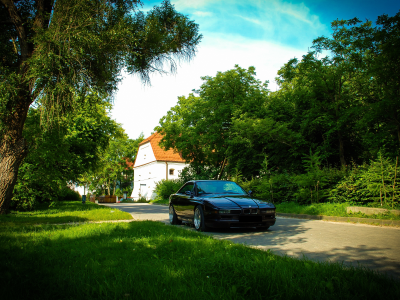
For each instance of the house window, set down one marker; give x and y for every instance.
(171, 171)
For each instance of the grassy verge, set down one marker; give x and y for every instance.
(328, 209)
(64, 212)
(325, 209)
(151, 260)
(160, 202)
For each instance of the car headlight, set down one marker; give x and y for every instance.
(267, 211)
(224, 211)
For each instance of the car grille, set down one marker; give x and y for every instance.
(250, 211)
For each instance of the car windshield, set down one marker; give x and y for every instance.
(219, 187)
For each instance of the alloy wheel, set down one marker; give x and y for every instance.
(197, 219)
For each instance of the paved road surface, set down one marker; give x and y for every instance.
(374, 247)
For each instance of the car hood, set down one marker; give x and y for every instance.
(239, 201)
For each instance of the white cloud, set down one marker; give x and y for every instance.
(203, 13)
(192, 4)
(297, 11)
(252, 20)
(140, 108)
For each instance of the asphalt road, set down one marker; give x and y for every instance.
(374, 247)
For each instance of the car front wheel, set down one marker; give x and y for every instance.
(198, 219)
(173, 218)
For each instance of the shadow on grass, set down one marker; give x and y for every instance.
(150, 260)
(62, 212)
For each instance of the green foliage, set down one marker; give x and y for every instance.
(328, 112)
(164, 188)
(372, 184)
(57, 54)
(278, 187)
(118, 192)
(199, 126)
(60, 155)
(66, 194)
(198, 172)
(114, 171)
(85, 44)
(142, 200)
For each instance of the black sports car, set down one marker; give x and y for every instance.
(218, 203)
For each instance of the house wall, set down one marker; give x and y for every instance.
(145, 155)
(146, 177)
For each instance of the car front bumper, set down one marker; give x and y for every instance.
(239, 222)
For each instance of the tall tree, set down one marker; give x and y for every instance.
(53, 52)
(373, 59)
(324, 101)
(60, 154)
(199, 126)
(114, 167)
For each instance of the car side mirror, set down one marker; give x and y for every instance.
(250, 193)
(189, 193)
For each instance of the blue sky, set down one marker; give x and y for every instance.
(260, 33)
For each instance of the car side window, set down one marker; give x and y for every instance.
(187, 187)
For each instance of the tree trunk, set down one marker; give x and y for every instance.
(11, 157)
(398, 132)
(13, 150)
(341, 150)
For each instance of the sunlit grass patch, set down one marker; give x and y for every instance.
(327, 209)
(151, 260)
(64, 212)
(160, 202)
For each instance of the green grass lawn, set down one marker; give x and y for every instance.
(151, 260)
(328, 209)
(64, 212)
(160, 202)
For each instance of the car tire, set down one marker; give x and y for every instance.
(198, 219)
(173, 218)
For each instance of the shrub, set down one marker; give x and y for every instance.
(118, 192)
(374, 184)
(164, 188)
(142, 200)
(66, 194)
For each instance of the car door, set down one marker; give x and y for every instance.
(182, 200)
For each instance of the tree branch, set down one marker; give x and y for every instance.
(19, 25)
(44, 8)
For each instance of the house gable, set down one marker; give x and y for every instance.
(158, 154)
(144, 155)
(153, 164)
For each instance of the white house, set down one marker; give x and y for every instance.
(152, 164)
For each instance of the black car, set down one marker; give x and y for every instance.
(219, 203)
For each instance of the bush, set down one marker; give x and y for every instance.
(164, 188)
(118, 192)
(142, 200)
(310, 187)
(66, 194)
(376, 184)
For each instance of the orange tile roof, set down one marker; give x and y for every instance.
(159, 153)
(129, 163)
